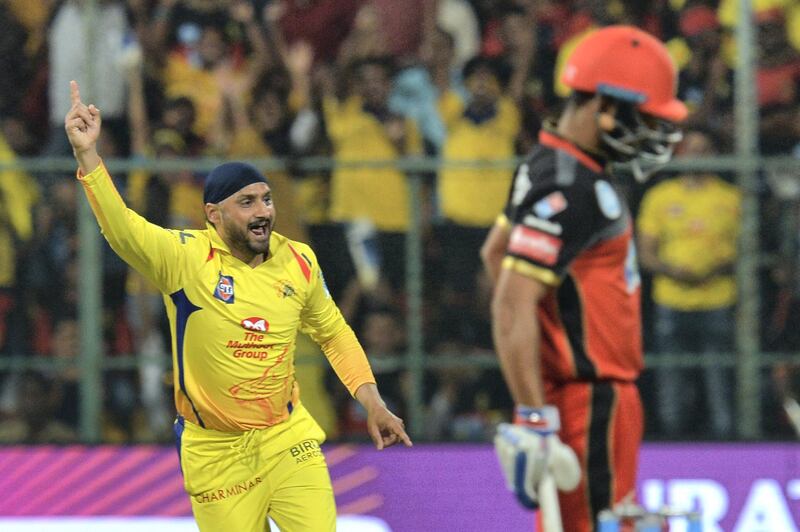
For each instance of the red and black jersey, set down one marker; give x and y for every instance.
(570, 228)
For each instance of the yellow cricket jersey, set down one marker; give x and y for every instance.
(233, 327)
(378, 194)
(18, 194)
(470, 196)
(696, 229)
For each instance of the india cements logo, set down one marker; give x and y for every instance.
(224, 289)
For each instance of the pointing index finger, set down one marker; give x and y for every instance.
(74, 93)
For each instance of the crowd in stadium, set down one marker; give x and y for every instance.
(360, 80)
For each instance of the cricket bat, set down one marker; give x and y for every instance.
(548, 505)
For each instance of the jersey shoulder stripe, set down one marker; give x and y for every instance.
(304, 267)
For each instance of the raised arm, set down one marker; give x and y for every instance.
(153, 251)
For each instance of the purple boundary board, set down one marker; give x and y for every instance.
(747, 487)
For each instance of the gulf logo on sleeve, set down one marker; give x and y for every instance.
(224, 289)
(534, 245)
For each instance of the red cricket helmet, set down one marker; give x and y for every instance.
(633, 68)
(628, 64)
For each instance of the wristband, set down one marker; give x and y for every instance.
(542, 419)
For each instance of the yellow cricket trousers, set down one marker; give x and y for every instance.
(236, 480)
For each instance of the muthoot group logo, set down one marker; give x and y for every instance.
(255, 324)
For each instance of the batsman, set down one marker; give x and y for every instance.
(566, 312)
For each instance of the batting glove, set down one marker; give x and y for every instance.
(530, 448)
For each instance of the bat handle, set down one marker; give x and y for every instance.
(548, 505)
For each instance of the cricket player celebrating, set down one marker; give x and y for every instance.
(236, 294)
(566, 310)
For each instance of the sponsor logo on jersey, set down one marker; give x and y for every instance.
(550, 205)
(284, 288)
(255, 324)
(534, 245)
(305, 450)
(545, 225)
(608, 200)
(227, 492)
(224, 289)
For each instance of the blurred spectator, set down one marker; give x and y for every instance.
(382, 334)
(418, 88)
(782, 218)
(467, 402)
(18, 194)
(33, 16)
(16, 63)
(179, 115)
(688, 227)
(311, 188)
(51, 272)
(525, 46)
(366, 39)
(35, 419)
(64, 349)
(362, 128)
(778, 80)
(728, 12)
(458, 407)
(480, 128)
(402, 24)
(173, 19)
(27, 65)
(208, 57)
(262, 128)
(706, 81)
(457, 18)
(324, 24)
(68, 61)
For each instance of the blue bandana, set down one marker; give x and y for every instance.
(228, 179)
